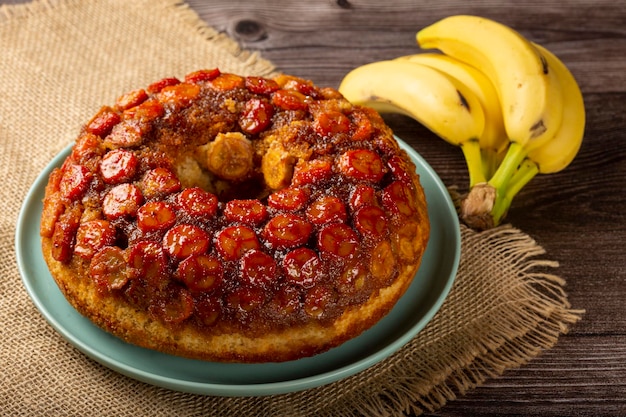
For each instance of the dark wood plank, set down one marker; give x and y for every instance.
(565, 381)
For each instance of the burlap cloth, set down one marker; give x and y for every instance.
(59, 61)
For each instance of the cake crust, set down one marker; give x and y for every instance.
(234, 219)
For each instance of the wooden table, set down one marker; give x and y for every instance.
(576, 215)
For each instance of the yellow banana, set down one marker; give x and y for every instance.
(558, 152)
(528, 90)
(441, 103)
(493, 140)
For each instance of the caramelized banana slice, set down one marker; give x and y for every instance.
(277, 168)
(229, 156)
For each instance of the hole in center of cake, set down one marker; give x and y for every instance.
(229, 166)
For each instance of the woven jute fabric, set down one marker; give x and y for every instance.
(59, 62)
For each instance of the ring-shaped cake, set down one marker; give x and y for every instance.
(235, 219)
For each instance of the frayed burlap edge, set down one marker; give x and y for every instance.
(505, 338)
(263, 66)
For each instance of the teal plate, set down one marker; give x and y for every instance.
(412, 312)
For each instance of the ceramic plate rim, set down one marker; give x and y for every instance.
(433, 188)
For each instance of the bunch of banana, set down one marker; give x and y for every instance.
(511, 105)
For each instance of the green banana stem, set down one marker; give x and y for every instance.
(490, 162)
(526, 172)
(472, 153)
(501, 178)
(509, 165)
